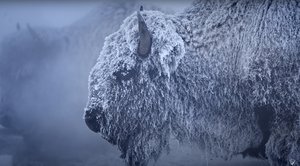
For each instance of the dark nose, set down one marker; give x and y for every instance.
(91, 120)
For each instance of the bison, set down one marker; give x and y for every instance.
(223, 75)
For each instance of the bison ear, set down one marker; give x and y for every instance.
(145, 40)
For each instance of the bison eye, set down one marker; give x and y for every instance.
(124, 74)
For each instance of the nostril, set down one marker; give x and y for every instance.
(92, 121)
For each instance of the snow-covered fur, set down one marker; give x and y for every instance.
(211, 73)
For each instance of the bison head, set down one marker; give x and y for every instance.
(129, 85)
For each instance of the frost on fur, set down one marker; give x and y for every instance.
(222, 75)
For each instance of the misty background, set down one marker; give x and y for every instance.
(46, 53)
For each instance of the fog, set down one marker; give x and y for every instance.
(47, 51)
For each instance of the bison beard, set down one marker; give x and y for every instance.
(222, 75)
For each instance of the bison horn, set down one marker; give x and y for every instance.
(34, 34)
(145, 40)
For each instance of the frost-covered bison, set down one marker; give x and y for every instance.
(223, 75)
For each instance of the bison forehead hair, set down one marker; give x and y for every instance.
(124, 93)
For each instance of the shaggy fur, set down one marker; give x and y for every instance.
(211, 73)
